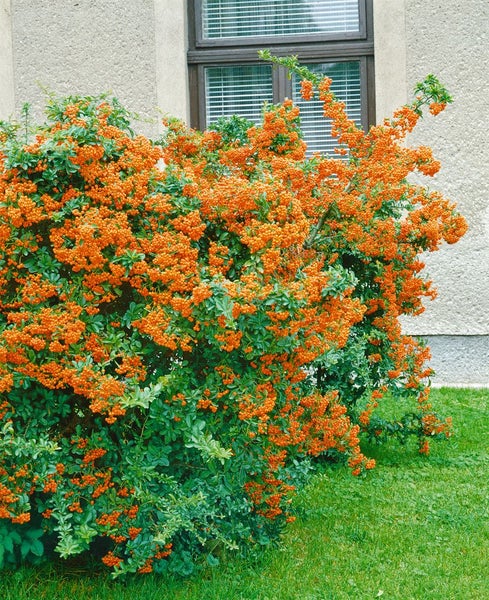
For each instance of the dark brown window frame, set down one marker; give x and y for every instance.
(310, 48)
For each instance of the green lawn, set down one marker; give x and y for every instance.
(416, 528)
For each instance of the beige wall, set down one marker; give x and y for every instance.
(451, 40)
(390, 56)
(134, 50)
(171, 60)
(414, 38)
(453, 43)
(7, 100)
(86, 47)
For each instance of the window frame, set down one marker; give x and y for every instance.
(309, 48)
(201, 42)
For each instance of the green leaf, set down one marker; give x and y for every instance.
(212, 560)
(25, 548)
(37, 548)
(8, 543)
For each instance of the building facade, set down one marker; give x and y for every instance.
(156, 57)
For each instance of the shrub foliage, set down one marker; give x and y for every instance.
(186, 324)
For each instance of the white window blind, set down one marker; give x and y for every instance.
(346, 86)
(243, 89)
(237, 90)
(223, 19)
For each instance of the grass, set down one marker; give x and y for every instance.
(416, 528)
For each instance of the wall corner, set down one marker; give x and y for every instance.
(7, 86)
(171, 51)
(390, 56)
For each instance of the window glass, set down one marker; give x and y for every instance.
(346, 86)
(239, 90)
(223, 19)
(331, 37)
(242, 90)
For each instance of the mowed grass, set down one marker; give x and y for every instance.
(416, 528)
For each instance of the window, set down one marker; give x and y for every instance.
(332, 37)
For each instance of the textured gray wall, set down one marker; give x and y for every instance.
(390, 56)
(453, 43)
(459, 360)
(86, 47)
(451, 39)
(6, 62)
(171, 57)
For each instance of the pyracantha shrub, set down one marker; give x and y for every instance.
(185, 324)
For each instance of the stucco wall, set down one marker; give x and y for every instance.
(6, 62)
(171, 57)
(454, 44)
(390, 56)
(415, 39)
(85, 47)
(451, 40)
